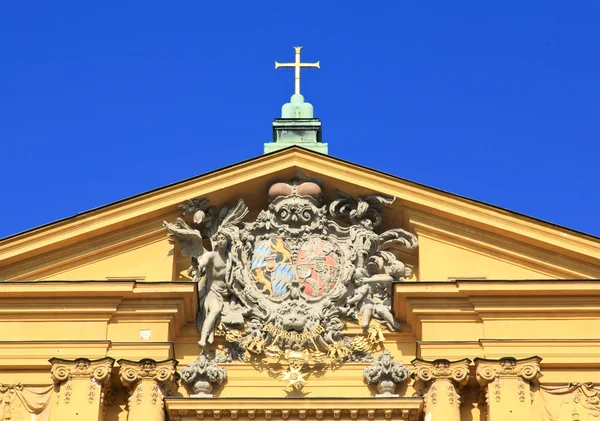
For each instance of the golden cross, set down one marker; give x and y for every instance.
(297, 65)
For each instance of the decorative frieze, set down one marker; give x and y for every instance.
(440, 382)
(18, 401)
(507, 386)
(148, 381)
(571, 401)
(321, 409)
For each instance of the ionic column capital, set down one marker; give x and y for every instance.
(527, 369)
(82, 387)
(148, 382)
(428, 371)
(162, 372)
(81, 368)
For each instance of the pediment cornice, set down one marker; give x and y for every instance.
(233, 181)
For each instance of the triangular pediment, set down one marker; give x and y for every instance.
(459, 238)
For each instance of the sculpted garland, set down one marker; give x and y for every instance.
(283, 284)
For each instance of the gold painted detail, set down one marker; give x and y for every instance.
(294, 378)
(371, 342)
(303, 338)
(293, 362)
(297, 65)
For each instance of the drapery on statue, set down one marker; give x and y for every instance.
(211, 269)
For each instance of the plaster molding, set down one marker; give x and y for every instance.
(170, 302)
(476, 303)
(294, 409)
(500, 247)
(412, 195)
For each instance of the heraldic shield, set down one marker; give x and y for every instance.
(286, 281)
(317, 267)
(272, 267)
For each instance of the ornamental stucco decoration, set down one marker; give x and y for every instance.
(287, 280)
(204, 373)
(386, 373)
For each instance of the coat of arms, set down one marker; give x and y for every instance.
(282, 285)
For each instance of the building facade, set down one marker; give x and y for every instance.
(296, 286)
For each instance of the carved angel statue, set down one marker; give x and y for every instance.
(372, 296)
(211, 269)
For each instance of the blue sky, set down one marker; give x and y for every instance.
(497, 101)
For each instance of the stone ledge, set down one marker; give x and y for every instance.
(403, 408)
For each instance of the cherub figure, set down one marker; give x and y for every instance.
(373, 299)
(213, 286)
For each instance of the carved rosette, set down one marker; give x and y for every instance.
(64, 372)
(440, 382)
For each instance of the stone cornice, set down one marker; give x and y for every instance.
(294, 409)
(487, 371)
(477, 301)
(160, 201)
(81, 368)
(428, 371)
(173, 301)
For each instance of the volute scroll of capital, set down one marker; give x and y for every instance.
(427, 371)
(98, 370)
(160, 371)
(283, 285)
(527, 369)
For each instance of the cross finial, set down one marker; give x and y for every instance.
(297, 65)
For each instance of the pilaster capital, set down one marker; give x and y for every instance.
(163, 372)
(527, 369)
(81, 368)
(441, 369)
